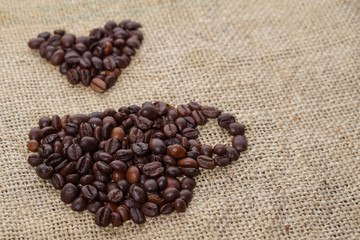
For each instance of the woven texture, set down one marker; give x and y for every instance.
(288, 70)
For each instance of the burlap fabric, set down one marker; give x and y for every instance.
(289, 70)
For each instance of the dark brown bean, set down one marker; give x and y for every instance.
(103, 217)
(206, 162)
(239, 143)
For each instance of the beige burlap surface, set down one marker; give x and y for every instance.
(288, 70)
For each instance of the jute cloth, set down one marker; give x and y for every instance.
(288, 70)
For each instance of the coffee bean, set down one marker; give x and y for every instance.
(206, 150)
(220, 149)
(123, 155)
(187, 163)
(232, 153)
(71, 128)
(190, 133)
(170, 130)
(137, 216)
(72, 58)
(173, 171)
(74, 152)
(33, 145)
(69, 193)
(45, 172)
(153, 169)
(45, 150)
(137, 193)
(206, 162)
(188, 183)
(167, 208)
(83, 165)
(35, 133)
(57, 181)
(103, 167)
(109, 63)
(79, 204)
(225, 119)
(198, 117)
(98, 85)
(180, 205)
(57, 58)
(34, 160)
(118, 165)
(176, 151)
(67, 169)
(236, 129)
(94, 206)
(133, 174)
(103, 217)
(115, 195)
(86, 179)
(239, 143)
(35, 42)
(140, 148)
(210, 112)
(190, 172)
(222, 160)
(150, 209)
(53, 160)
(170, 194)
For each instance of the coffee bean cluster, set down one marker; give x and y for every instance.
(95, 60)
(130, 163)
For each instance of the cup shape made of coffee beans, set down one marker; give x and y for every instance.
(95, 60)
(132, 163)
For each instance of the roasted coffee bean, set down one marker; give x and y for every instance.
(219, 149)
(118, 165)
(85, 77)
(45, 150)
(210, 112)
(188, 183)
(173, 182)
(57, 181)
(137, 216)
(194, 106)
(232, 153)
(94, 206)
(59, 167)
(45, 172)
(58, 57)
(198, 117)
(133, 174)
(168, 160)
(239, 143)
(35, 42)
(225, 119)
(83, 165)
(53, 160)
(115, 195)
(176, 151)
(49, 51)
(206, 150)
(116, 219)
(111, 145)
(190, 122)
(162, 182)
(170, 194)
(79, 118)
(123, 155)
(180, 205)
(103, 167)
(79, 204)
(44, 35)
(191, 133)
(206, 162)
(153, 169)
(86, 179)
(71, 128)
(44, 122)
(103, 217)
(64, 120)
(67, 169)
(35, 133)
(69, 193)
(34, 160)
(222, 160)
(117, 175)
(72, 58)
(33, 145)
(47, 131)
(137, 193)
(67, 40)
(150, 209)
(170, 130)
(109, 63)
(73, 178)
(187, 163)
(140, 148)
(236, 129)
(186, 195)
(124, 185)
(98, 85)
(136, 135)
(190, 172)
(74, 152)
(167, 208)
(85, 62)
(173, 171)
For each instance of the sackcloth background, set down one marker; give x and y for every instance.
(287, 69)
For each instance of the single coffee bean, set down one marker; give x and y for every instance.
(170, 194)
(151, 185)
(236, 129)
(53, 160)
(94, 206)
(85, 77)
(137, 193)
(117, 175)
(210, 112)
(206, 162)
(57, 181)
(69, 193)
(191, 133)
(190, 172)
(187, 163)
(33, 145)
(45, 172)
(79, 204)
(180, 205)
(34, 160)
(194, 106)
(111, 145)
(35, 133)
(35, 42)
(71, 128)
(153, 169)
(118, 133)
(118, 165)
(115, 195)
(133, 174)
(89, 192)
(186, 195)
(173, 171)
(45, 150)
(67, 169)
(167, 208)
(206, 150)
(222, 160)
(86, 179)
(198, 117)
(44, 35)
(98, 85)
(140, 148)
(57, 58)
(116, 219)
(162, 182)
(188, 183)
(225, 119)
(137, 216)
(103, 167)
(124, 185)
(44, 122)
(176, 151)
(239, 143)
(232, 153)
(103, 217)
(170, 130)
(123, 155)
(220, 149)
(67, 40)
(150, 209)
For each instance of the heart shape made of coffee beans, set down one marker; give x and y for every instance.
(95, 60)
(127, 164)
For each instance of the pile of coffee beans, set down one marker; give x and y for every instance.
(130, 163)
(95, 60)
